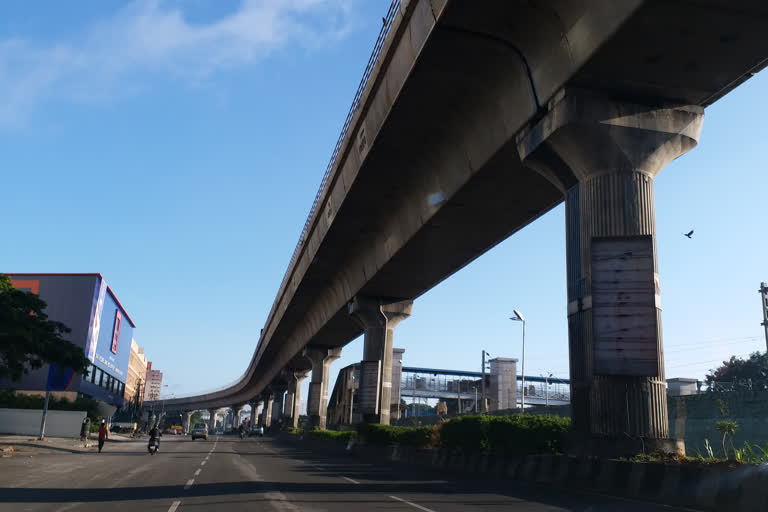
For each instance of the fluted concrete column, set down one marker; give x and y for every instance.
(321, 359)
(397, 380)
(266, 414)
(236, 412)
(212, 421)
(603, 155)
(254, 412)
(293, 397)
(379, 321)
(187, 419)
(288, 404)
(277, 404)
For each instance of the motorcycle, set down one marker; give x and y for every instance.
(242, 434)
(152, 446)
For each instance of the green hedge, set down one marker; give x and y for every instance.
(389, 434)
(333, 435)
(10, 400)
(512, 435)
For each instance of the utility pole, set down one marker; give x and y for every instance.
(482, 386)
(764, 298)
(45, 414)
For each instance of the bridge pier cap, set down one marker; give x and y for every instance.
(378, 318)
(603, 155)
(317, 405)
(293, 397)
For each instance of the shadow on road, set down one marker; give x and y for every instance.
(52, 495)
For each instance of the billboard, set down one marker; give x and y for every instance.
(95, 326)
(109, 353)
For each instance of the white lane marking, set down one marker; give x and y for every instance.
(174, 506)
(349, 479)
(189, 484)
(203, 463)
(68, 507)
(414, 505)
(198, 471)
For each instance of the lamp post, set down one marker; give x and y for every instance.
(520, 318)
(482, 383)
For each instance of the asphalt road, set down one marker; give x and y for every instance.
(230, 474)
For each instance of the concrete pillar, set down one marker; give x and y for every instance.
(187, 418)
(266, 414)
(236, 412)
(603, 155)
(254, 412)
(379, 322)
(397, 381)
(321, 359)
(288, 403)
(277, 405)
(503, 384)
(293, 397)
(212, 421)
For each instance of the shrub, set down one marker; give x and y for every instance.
(333, 435)
(385, 435)
(519, 434)
(10, 400)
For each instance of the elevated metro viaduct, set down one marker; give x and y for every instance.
(472, 120)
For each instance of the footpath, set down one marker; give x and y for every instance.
(27, 446)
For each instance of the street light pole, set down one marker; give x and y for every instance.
(482, 384)
(520, 318)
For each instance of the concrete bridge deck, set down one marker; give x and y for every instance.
(428, 173)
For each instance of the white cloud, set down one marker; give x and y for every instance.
(112, 56)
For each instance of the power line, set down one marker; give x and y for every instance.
(741, 339)
(683, 348)
(706, 362)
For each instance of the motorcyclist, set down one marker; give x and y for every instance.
(154, 435)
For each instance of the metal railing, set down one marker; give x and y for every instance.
(372, 61)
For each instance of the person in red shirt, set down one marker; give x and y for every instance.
(103, 434)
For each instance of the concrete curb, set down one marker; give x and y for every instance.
(742, 489)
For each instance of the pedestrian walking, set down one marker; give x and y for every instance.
(103, 434)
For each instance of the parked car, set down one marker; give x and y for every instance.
(257, 430)
(200, 430)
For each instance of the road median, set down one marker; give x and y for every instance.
(741, 488)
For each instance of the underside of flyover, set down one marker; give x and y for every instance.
(449, 142)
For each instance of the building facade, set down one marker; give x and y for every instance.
(136, 380)
(154, 383)
(99, 324)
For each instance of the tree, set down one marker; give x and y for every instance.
(750, 373)
(28, 340)
(726, 428)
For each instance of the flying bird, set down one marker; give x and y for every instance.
(689, 234)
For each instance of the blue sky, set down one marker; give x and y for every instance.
(176, 148)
